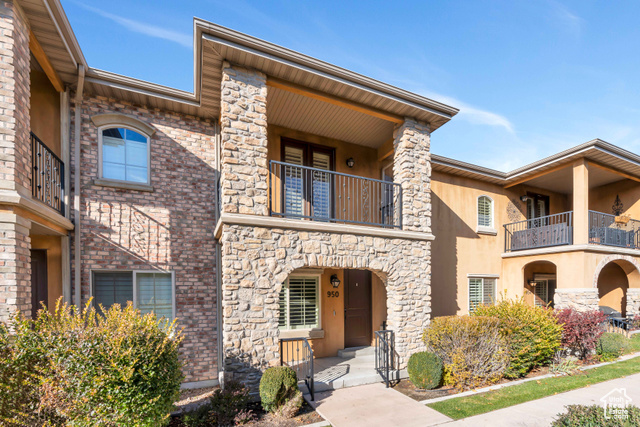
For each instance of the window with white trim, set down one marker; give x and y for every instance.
(124, 155)
(299, 303)
(482, 290)
(485, 212)
(149, 291)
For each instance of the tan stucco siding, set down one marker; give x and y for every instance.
(52, 245)
(45, 111)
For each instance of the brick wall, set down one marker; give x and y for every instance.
(170, 228)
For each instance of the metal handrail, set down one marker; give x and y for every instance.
(604, 229)
(48, 175)
(544, 231)
(298, 355)
(384, 354)
(304, 192)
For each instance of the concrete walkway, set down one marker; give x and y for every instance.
(374, 405)
(543, 411)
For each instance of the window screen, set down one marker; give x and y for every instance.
(481, 291)
(112, 288)
(155, 294)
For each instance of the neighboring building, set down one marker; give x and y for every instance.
(285, 200)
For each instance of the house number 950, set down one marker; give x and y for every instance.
(333, 294)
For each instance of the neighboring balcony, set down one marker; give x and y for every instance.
(47, 184)
(308, 193)
(557, 230)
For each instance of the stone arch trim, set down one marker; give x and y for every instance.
(611, 258)
(113, 119)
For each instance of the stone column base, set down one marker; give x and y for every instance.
(633, 302)
(581, 299)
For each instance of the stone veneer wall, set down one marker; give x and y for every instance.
(633, 301)
(581, 299)
(168, 229)
(15, 159)
(256, 261)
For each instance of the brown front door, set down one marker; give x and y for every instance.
(39, 286)
(357, 308)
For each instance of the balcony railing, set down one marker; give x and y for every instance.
(48, 175)
(550, 230)
(609, 230)
(309, 193)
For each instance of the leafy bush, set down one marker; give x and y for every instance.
(635, 322)
(291, 407)
(228, 403)
(472, 349)
(277, 385)
(532, 333)
(611, 346)
(88, 369)
(425, 370)
(198, 417)
(591, 416)
(564, 365)
(581, 329)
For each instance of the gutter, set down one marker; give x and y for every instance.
(77, 101)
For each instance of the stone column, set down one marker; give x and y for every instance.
(633, 302)
(243, 131)
(580, 202)
(15, 265)
(581, 299)
(412, 170)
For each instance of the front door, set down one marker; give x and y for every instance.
(39, 284)
(357, 308)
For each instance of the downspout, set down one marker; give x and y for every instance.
(76, 184)
(218, 247)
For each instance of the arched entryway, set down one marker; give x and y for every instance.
(613, 278)
(540, 283)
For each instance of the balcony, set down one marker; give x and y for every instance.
(541, 232)
(303, 192)
(47, 184)
(611, 230)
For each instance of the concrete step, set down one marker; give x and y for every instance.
(350, 352)
(350, 381)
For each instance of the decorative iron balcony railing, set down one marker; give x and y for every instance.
(611, 230)
(48, 175)
(544, 231)
(309, 193)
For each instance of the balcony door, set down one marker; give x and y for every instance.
(537, 207)
(308, 189)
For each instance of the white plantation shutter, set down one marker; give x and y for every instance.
(299, 303)
(293, 181)
(488, 291)
(321, 185)
(485, 212)
(475, 293)
(481, 291)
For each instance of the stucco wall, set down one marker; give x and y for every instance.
(45, 111)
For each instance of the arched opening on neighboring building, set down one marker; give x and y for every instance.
(540, 283)
(613, 279)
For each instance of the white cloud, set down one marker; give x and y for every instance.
(569, 21)
(182, 39)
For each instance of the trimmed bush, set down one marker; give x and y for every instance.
(229, 403)
(532, 333)
(472, 349)
(591, 416)
(277, 385)
(120, 368)
(425, 370)
(581, 329)
(611, 346)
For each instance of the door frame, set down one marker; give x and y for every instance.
(370, 317)
(35, 303)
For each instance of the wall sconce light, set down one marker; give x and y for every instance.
(335, 282)
(532, 283)
(350, 162)
(524, 198)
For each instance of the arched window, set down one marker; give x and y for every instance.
(485, 213)
(124, 148)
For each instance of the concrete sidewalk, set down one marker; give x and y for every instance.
(374, 405)
(543, 411)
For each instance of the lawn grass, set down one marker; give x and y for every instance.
(462, 407)
(634, 344)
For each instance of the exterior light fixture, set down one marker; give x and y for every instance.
(532, 283)
(524, 198)
(617, 207)
(335, 282)
(350, 162)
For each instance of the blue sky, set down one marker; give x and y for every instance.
(531, 78)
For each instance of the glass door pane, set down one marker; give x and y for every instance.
(321, 185)
(293, 181)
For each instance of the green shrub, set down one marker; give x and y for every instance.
(227, 407)
(532, 333)
(198, 417)
(472, 349)
(425, 370)
(610, 346)
(277, 385)
(592, 416)
(120, 368)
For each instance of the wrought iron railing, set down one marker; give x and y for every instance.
(544, 231)
(384, 354)
(298, 355)
(610, 230)
(309, 193)
(48, 175)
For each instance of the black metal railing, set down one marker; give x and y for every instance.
(298, 355)
(611, 230)
(48, 175)
(384, 354)
(544, 231)
(309, 193)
